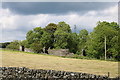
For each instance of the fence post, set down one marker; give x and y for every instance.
(108, 74)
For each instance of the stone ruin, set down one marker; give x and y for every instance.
(57, 52)
(22, 48)
(60, 52)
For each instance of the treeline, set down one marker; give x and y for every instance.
(4, 45)
(60, 36)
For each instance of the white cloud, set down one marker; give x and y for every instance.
(111, 11)
(38, 20)
(7, 19)
(91, 13)
(13, 22)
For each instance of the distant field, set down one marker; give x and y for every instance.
(22, 59)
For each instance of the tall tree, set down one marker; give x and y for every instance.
(61, 35)
(65, 27)
(73, 41)
(33, 39)
(34, 35)
(83, 35)
(46, 41)
(51, 28)
(96, 43)
(61, 38)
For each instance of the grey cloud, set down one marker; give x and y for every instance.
(12, 35)
(31, 8)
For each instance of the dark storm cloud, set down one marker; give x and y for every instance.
(30, 8)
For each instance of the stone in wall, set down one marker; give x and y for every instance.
(22, 73)
(28, 50)
(58, 52)
(21, 48)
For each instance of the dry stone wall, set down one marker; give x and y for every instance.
(22, 73)
(28, 50)
(59, 52)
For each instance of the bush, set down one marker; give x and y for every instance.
(36, 47)
(24, 43)
(78, 53)
(14, 45)
(4, 45)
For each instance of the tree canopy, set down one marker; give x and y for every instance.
(60, 36)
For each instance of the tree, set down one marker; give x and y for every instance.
(29, 37)
(14, 45)
(4, 45)
(73, 41)
(24, 43)
(118, 55)
(83, 35)
(51, 28)
(36, 47)
(46, 41)
(34, 35)
(33, 39)
(61, 35)
(64, 27)
(97, 38)
(61, 38)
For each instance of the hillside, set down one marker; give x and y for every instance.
(38, 61)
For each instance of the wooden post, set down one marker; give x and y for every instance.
(108, 74)
(105, 47)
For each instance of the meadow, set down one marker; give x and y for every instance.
(10, 58)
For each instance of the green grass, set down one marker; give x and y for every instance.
(26, 52)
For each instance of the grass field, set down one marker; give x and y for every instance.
(37, 61)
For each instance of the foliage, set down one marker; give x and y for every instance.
(64, 27)
(60, 36)
(14, 45)
(4, 45)
(73, 41)
(83, 35)
(46, 41)
(34, 35)
(36, 47)
(96, 42)
(50, 28)
(24, 43)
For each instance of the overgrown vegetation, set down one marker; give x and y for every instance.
(13, 45)
(4, 45)
(60, 36)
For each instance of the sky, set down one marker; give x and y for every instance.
(17, 18)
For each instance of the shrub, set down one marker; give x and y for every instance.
(4, 45)
(36, 47)
(14, 45)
